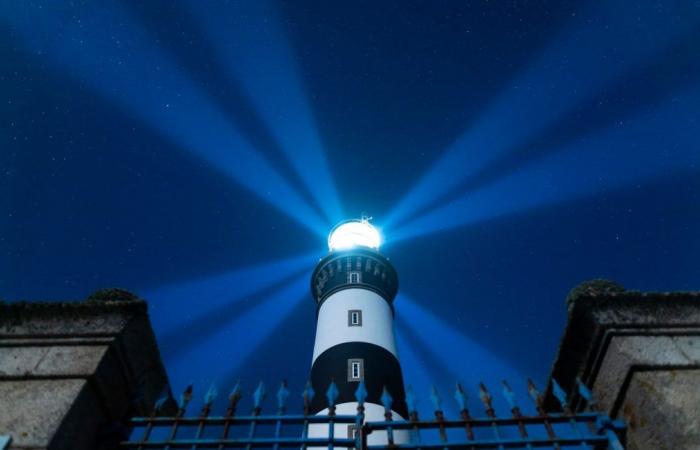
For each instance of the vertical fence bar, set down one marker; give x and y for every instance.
(331, 427)
(414, 435)
(160, 403)
(387, 402)
(509, 395)
(258, 397)
(307, 395)
(184, 401)
(282, 395)
(607, 427)
(560, 395)
(147, 430)
(360, 396)
(486, 399)
(233, 398)
(461, 398)
(536, 397)
(209, 398)
(439, 416)
(331, 395)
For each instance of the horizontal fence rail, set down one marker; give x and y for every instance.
(170, 428)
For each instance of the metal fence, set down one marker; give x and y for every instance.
(170, 427)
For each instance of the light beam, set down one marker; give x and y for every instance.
(98, 45)
(251, 40)
(228, 348)
(175, 305)
(578, 63)
(468, 361)
(595, 164)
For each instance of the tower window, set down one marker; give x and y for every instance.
(354, 277)
(355, 318)
(356, 369)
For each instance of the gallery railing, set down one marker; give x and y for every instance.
(170, 428)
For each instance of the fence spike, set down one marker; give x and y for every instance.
(411, 400)
(185, 397)
(308, 393)
(486, 399)
(166, 403)
(282, 395)
(509, 395)
(559, 394)
(166, 394)
(259, 395)
(585, 392)
(533, 392)
(361, 393)
(211, 395)
(435, 398)
(235, 393)
(332, 394)
(158, 405)
(233, 397)
(386, 399)
(460, 397)
(536, 397)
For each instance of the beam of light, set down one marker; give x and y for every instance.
(230, 347)
(251, 40)
(664, 141)
(468, 361)
(415, 372)
(174, 306)
(580, 62)
(422, 374)
(98, 45)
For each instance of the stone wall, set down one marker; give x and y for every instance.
(639, 353)
(72, 373)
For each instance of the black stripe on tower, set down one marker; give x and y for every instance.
(376, 272)
(380, 366)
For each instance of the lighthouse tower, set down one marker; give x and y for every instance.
(354, 288)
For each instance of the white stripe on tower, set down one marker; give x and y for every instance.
(369, 309)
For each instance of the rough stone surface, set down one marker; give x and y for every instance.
(663, 397)
(69, 370)
(47, 360)
(627, 354)
(42, 405)
(68, 319)
(639, 353)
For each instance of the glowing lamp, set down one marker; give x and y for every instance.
(353, 233)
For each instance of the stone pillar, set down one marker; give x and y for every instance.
(71, 374)
(639, 353)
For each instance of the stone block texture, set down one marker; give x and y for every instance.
(639, 353)
(71, 374)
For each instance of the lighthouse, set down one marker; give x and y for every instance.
(354, 287)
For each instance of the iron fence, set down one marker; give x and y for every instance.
(170, 428)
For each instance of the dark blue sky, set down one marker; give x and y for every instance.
(196, 153)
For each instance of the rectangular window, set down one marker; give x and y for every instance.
(356, 370)
(354, 277)
(355, 318)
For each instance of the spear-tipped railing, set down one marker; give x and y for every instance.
(169, 427)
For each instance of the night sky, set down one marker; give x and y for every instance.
(197, 154)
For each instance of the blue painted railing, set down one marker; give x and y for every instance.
(170, 428)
